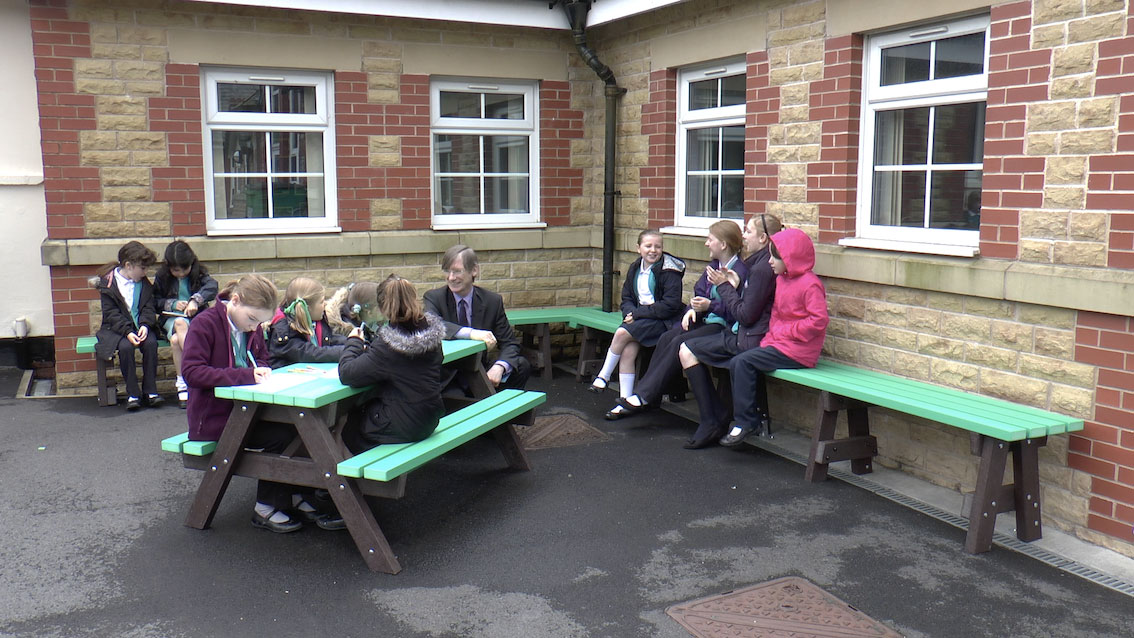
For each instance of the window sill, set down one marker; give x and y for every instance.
(482, 226)
(216, 232)
(949, 250)
(687, 231)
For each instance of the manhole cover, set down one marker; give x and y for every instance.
(778, 608)
(559, 430)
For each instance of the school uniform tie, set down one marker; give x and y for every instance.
(463, 312)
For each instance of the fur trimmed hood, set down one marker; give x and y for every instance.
(414, 343)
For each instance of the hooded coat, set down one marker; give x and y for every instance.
(799, 313)
(286, 345)
(404, 364)
(207, 363)
(668, 272)
(752, 306)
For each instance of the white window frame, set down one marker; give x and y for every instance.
(322, 121)
(528, 126)
(877, 98)
(688, 120)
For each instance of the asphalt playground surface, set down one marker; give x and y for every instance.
(597, 540)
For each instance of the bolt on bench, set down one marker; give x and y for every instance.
(996, 429)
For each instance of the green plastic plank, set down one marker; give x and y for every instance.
(528, 316)
(413, 457)
(86, 345)
(978, 413)
(597, 319)
(353, 466)
(454, 349)
(199, 448)
(174, 443)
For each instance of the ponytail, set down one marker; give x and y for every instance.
(397, 300)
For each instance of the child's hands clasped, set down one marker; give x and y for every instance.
(700, 304)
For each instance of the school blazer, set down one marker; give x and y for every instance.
(116, 319)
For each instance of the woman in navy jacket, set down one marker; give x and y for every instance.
(651, 304)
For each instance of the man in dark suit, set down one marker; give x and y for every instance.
(471, 312)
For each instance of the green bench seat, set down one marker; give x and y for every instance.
(996, 427)
(107, 390)
(593, 321)
(180, 444)
(387, 462)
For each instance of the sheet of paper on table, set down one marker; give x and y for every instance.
(280, 381)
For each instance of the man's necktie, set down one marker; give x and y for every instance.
(463, 312)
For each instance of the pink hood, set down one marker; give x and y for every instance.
(799, 312)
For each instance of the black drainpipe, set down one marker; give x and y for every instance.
(576, 11)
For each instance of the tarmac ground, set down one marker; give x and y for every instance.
(599, 539)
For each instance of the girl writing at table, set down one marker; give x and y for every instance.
(299, 332)
(225, 347)
(403, 362)
(183, 288)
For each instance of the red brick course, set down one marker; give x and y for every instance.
(659, 125)
(836, 101)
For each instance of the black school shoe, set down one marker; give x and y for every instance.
(265, 522)
(330, 522)
(133, 404)
(154, 400)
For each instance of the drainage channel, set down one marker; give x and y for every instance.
(1009, 542)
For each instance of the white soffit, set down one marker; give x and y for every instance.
(520, 13)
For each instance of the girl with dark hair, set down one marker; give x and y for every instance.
(182, 287)
(129, 321)
(403, 362)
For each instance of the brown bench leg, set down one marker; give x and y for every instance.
(1026, 488)
(992, 497)
(588, 352)
(509, 442)
(541, 352)
(107, 390)
(859, 447)
(990, 477)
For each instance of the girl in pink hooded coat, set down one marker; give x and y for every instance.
(795, 333)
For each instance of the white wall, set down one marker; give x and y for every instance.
(23, 216)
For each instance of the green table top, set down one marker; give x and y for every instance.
(314, 385)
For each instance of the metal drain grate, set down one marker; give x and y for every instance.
(559, 430)
(1003, 540)
(783, 607)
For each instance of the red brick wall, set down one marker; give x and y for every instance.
(761, 180)
(1105, 447)
(836, 101)
(558, 125)
(56, 42)
(1110, 179)
(1017, 75)
(182, 183)
(659, 125)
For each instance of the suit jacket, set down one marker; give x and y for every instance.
(487, 314)
(116, 319)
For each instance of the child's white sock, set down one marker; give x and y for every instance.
(608, 365)
(626, 384)
(300, 504)
(263, 509)
(180, 384)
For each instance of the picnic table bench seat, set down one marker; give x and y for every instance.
(593, 320)
(107, 389)
(996, 428)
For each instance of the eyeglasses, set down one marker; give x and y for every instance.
(455, 272)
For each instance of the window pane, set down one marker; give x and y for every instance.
(294, 152)
(962, 55)
(901, 137)
(732, 196)
(506, 195)
(241, 197)
(297, 197)
(732, 153)
(239, 152)
(292, 99)
(503, 106)
(958, 134)
(701, 148)
(899, 198)
(505, 154)
(732, 90)
(457, 153)
(455, 104)
(954, 200)
(703, 94)
(240, 98)
(904, 64)
(458, 195)
(701, 195)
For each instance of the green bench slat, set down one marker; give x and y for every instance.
(597, 319)
(182, 445)
(86, 345)
(418, 454)
(528, 316)
(353, 466)
(985, 415)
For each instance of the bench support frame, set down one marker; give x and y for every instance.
(992, 496)
(107, 390)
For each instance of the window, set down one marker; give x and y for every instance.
(922, 156)
(485, 154)
(271, 151)
(710, 144)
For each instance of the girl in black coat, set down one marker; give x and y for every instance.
(299, 332)
(403, 362)
(182, 287)
(752, 310)
(129, 321)
(651, 304)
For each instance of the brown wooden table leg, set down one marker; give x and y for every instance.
(509, 442)
(219, 473)
(990, 478)
(314, 427)
(544, 333)
(1026, 488)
